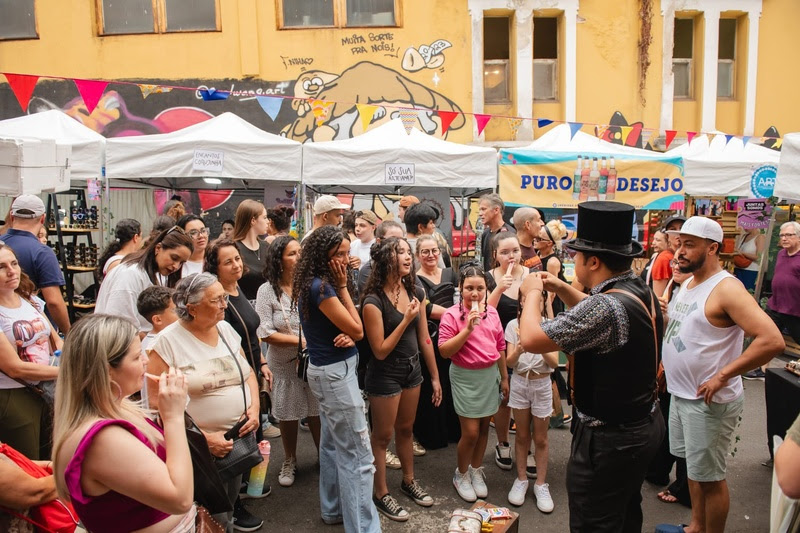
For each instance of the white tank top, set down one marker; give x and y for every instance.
(749, 247)
(694, 350)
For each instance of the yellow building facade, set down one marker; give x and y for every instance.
(686, 65)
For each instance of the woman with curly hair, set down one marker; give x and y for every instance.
(127, 239)
(280, 220)
(279, 328)
(331, 324)
(397, 329)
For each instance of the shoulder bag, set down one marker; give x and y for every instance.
(209, 489)
(244, 455)
(265, 403)
(302, 353)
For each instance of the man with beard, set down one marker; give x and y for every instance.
(615, 335)
(703, 360)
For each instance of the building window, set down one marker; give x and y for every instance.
(118, 17)
(682, 58)
(18, 20)
(726, 58)
(496, 75)
(545, 58)
(337, 13)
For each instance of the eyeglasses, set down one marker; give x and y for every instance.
(197, 232)
(538, 239)
(221, 301)
(787, 235)
(431, 251)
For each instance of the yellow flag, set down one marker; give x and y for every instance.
(366, 112)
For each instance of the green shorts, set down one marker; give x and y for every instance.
(702, 434)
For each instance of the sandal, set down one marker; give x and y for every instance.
(667, 497)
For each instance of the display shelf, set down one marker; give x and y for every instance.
(81, 306)
(73, 268)
(71, 231)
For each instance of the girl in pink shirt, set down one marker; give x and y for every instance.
(471, 335)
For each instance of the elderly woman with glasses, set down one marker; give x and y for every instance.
(208, 351)
(195, 228)
(158, 264)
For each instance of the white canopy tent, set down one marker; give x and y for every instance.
(721, 167)
(225, 152)
(88, 146)
(388, 160)
(558, 140)
(33, 166)
(787, 183)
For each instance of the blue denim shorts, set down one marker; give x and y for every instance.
(390, 376)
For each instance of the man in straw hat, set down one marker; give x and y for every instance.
(614, 334)
(704, 361)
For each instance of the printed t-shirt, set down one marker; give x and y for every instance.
(29, 332)
(482, 347)
(530, 258)
(318, 330)
(215, 390)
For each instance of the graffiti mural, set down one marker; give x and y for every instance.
(426, 56)
(613, 132)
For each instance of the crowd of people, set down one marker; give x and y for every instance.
(366, 333)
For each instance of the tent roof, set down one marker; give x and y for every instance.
(558, 140)
(787, 183)
(168, 159)
(725, 168)
(360, 162)
(87, 145)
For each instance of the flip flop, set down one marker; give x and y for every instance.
(667, 497)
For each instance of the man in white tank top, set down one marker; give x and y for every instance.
(703, 360)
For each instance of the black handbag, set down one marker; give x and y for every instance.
(302, 357)
(245, 454)
(209, 489)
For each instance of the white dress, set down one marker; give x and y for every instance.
(291, 397)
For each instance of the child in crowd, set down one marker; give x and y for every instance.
(156, 305)
(532, 401)
(471, 335)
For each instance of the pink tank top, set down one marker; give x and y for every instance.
(110, 512)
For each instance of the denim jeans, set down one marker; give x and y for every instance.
(345, 453)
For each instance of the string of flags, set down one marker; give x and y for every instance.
(91, 91)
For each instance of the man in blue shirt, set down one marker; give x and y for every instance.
(37, 260)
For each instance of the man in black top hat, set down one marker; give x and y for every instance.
(614, 335)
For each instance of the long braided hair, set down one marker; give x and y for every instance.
(471, 269)
(384, 267)
(313, 263)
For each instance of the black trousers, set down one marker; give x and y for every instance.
(605, 473)
(786, 322)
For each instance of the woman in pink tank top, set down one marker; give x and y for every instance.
(121, 471)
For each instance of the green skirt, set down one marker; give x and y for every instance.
(476, 393)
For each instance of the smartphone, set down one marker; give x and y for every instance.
(233, 433)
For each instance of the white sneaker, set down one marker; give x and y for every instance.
(288, 469)
(463, 486)
(392, 461)
(478, 478)
(543, 499)
(516, 496)
(419, 449)
(530, 466)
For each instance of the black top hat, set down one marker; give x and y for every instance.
(605, 227)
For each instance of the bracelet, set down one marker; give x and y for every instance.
(342, 287)
(262, 364)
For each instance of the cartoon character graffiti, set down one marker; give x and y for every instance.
(326, 109)
(613, 132)
(426, 56)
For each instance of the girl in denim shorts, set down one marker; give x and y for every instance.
(397, 330)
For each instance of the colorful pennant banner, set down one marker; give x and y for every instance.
(574, 127)
(447, 118)
(366, 112)
(91, 91)
(270, 105)
(481, 121)
(22, 86)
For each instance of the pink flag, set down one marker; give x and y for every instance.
(690, 135)
(481, 121)
(91, 91)
(22, 86)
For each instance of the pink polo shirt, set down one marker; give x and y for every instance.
(482, 347)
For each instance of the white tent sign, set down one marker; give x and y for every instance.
(208, 161)
(400, 174)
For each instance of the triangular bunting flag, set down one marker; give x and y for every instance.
(690, 135)
(366, 112)
(22, 86)
(91, 91)
(209, 95)
(542, 122)
(271, 105)
(599, 131)
(574, 127)
(669, 137)
(320, 108)
(626, 132)
(447, 118)
(745, 139)
(409, 117)
(481, 121)
(147, 90)
(728, 139)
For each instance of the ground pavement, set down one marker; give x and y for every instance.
(296, 509)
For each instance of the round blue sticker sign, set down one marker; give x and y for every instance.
(762, 182)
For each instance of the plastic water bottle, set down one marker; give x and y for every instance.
(456, 296)
(258, 474)
(55, 359)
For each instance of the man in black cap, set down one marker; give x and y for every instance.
(614, 334)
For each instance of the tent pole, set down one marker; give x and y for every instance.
(764, 259)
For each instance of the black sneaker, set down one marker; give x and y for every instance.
(415, 491)
(243, 520)
(266, 491)
(389, 507)
(755, 375)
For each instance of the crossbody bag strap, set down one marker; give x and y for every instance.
(246, 333)
(238, 366)
(651, 314)
(289, 325)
